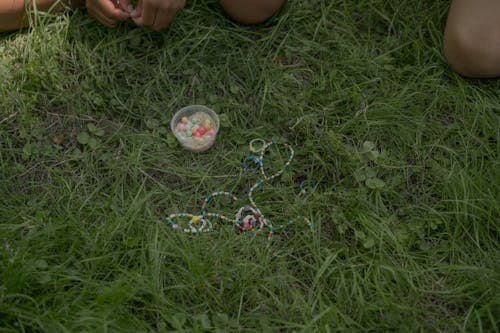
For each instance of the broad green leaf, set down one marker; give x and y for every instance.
(234, 89)
(91, 127)
(152, 123)
(27, 150)
(171, 140)
(76, 153)
(93, 143)
(41, 264)
(83, 138)
(360, 234)
(224, 120)
(367, 146)
(342, 228)
(360, 175)
(375, 183)
(369, 243)
(221, 319)
(95, 130)
(177, 321)
(370, 173)
(203, 320)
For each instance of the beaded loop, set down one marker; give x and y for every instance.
(249, 222)
(307, 184)
(253, 147)
(254, 218)
(251, 163)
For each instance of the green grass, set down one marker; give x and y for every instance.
(404, 241)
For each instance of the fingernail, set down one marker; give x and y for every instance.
(130, 8)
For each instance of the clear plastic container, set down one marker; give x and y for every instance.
(206, 118)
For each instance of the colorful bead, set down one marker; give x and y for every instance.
(207, 124)
(249, 222)
(197, 128)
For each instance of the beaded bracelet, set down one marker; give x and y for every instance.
(307, 184)
(254, 218)
(251, 163)
(254, 149)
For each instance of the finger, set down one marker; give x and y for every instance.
(137, 12)
(125, 5)
(108, 9)
(163, 19)
(104, 20)
(148, 15)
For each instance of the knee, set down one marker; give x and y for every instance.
(472, 52)
(251, 11)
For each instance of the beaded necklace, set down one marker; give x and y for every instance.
(248, 217)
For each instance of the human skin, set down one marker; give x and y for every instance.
(158, 14)
(472, 38)
(13, 12)
(13, 15)
(251, 11)
(155, 14)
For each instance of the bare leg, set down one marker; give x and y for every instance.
(251, 11)
(472, 38)
(13, 12)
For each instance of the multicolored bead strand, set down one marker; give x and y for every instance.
(254, 221)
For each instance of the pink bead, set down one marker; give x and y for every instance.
(207, 124)
(211, 132)
(201, 130)
(197, 134)
(181, 127)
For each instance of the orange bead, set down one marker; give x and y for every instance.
(207, 124)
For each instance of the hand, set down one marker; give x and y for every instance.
(108, 12)
(156, 14)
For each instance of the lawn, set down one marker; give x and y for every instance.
(403, 151)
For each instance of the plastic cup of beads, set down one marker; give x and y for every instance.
(195, 127)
